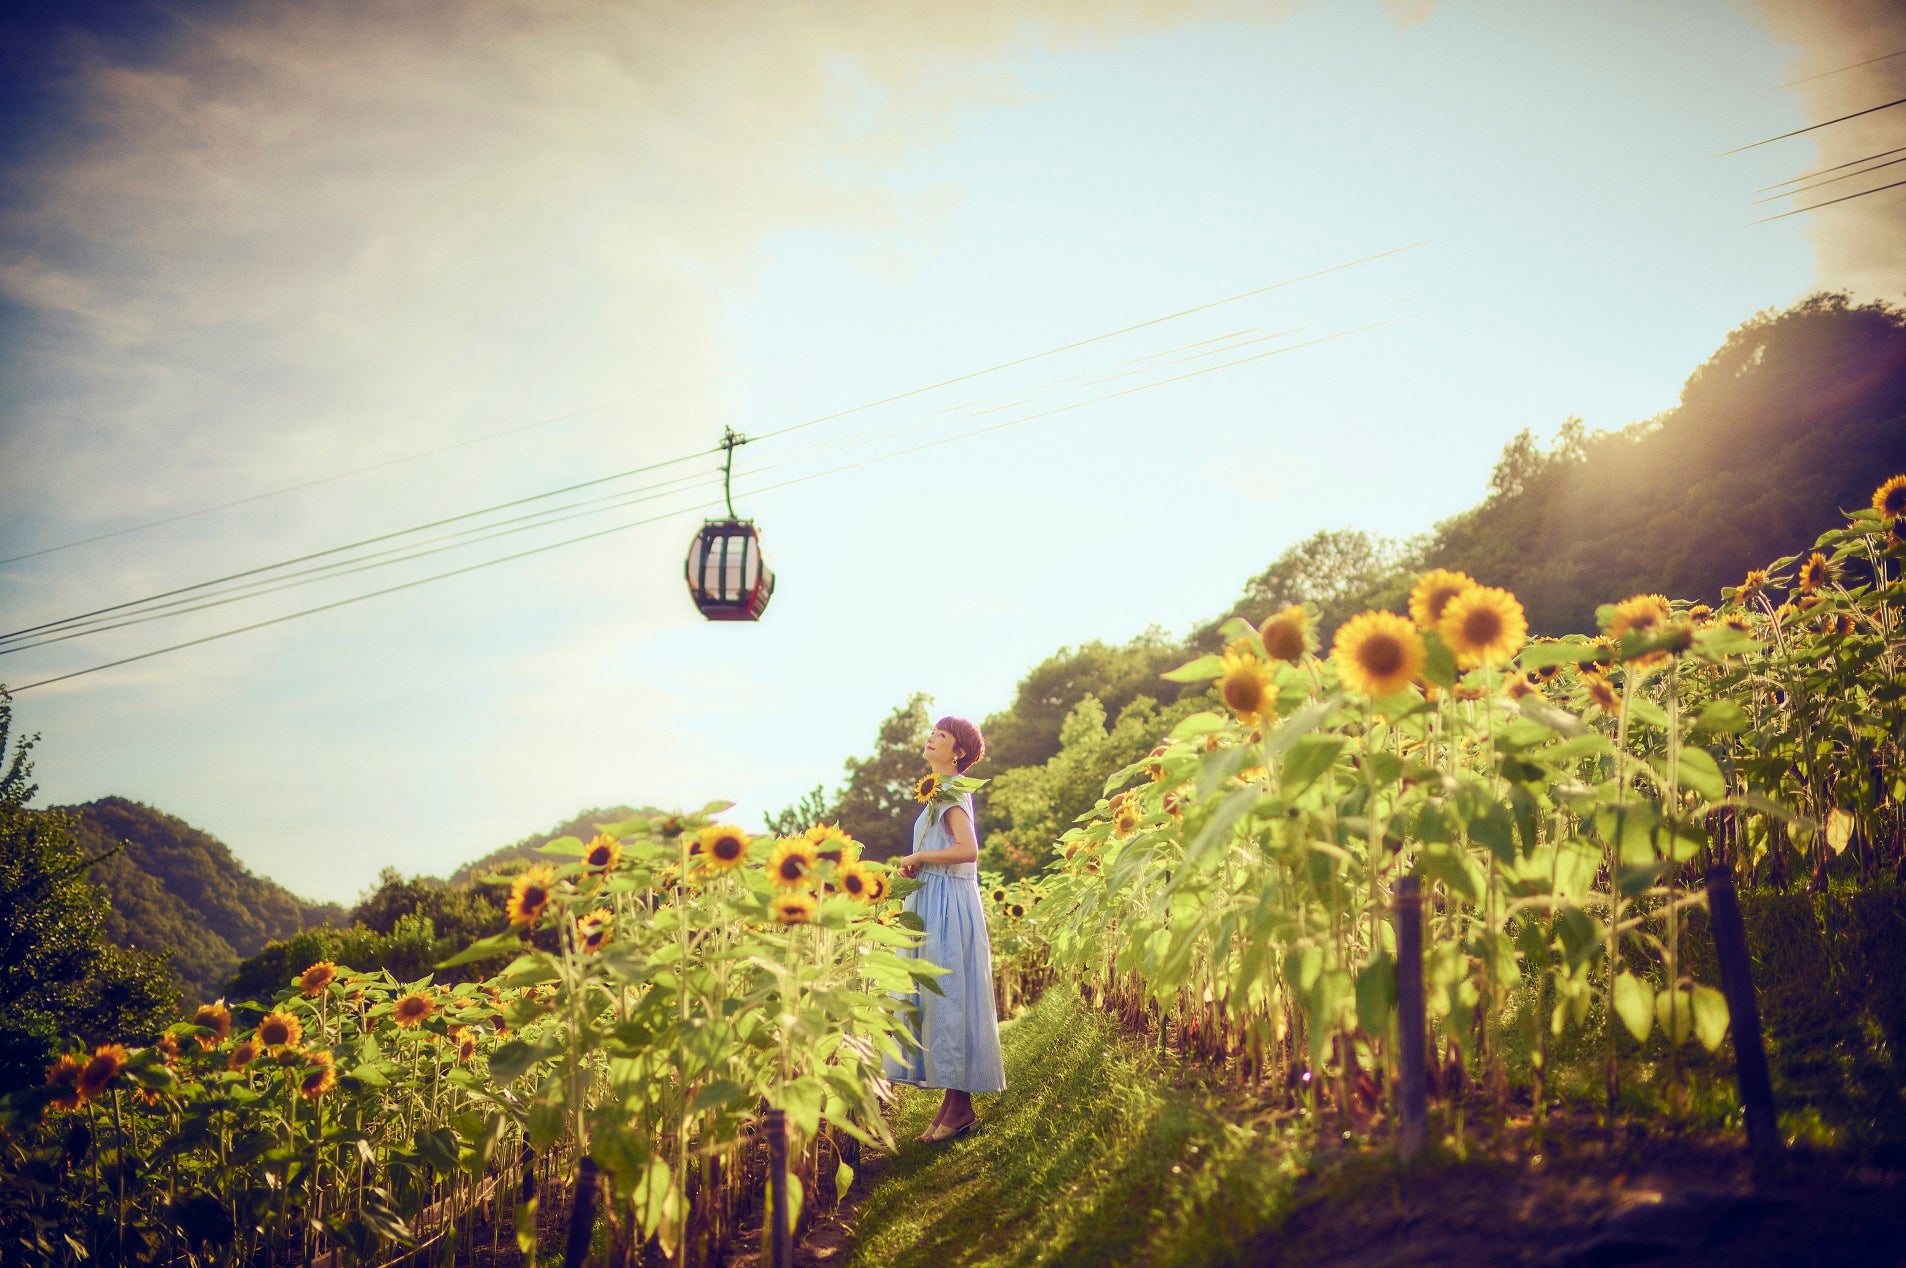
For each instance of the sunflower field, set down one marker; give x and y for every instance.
(671, 980)
(1557, 800)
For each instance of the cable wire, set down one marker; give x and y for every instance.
(15, 635)
(461, 538)
(618, 528)
(1828, 203)
(1836, 167)
(1815, 127)
(1831, 180)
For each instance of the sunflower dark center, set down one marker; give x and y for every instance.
(1895, 505)
(792, 868)
(1243, 691)
(727, 848)
(1482, 625)
(1439, 599)
(1381, 654)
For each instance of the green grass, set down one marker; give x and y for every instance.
(1095, 1153)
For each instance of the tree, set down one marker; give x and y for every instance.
(1339, 572)
(59, 976)
(876, 803)
(1031, 806)
(1026, 733)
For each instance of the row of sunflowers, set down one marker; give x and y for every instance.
(671, 979)
(1559, 801)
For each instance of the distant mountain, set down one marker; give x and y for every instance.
(177, 890)
(583, 825)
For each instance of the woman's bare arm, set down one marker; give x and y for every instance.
(965, 847)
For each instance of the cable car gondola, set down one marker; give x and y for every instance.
(727, 577)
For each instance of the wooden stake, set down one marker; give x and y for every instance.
(1412, 1103)
(1750, 1052)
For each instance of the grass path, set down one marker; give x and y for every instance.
(1091, 1156)
(1102, 1152)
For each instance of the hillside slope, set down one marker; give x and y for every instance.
(177, 890)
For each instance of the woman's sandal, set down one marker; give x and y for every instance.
(943, 1132)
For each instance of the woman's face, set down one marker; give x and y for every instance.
(941, 749)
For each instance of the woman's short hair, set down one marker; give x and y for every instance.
(967, 741)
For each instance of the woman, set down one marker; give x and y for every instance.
(958, 1031)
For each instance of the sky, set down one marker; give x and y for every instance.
(1051, 321)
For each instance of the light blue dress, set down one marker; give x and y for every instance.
(957, 1029)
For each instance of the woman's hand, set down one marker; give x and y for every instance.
(909, 866)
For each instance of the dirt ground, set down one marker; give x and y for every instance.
(1582, 1198)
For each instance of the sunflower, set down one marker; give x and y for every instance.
(1844, 625)
(1483, 626)
(243, 1055)
(1601, 693)
(1242, 645)
(1288, 635)
(97, 1074)
(722, 850)
(603, 854)
(529, 894)
(1017, 911)
(320, 1075)
(999, 893)
(1126, 817)
(1700, 612)
(1432, 593)
(279, 1029)
(1644, 616)
(795, 908)
(1890, 498)
(466, 1044)
(853, 881)
(792, 864)
(63, 1077)
(413, 1010)
(832, 843)
(216, 1018)
(1545, 673)
(876, 887)
(1520, 686)
(924, 790)
(1755, 582)
(168, 1047)
(1814, 574)
(593, 929)
(1737, 621)
(314, 979)
(1246, 686)
(1378, 653)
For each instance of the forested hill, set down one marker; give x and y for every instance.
(1794, 420)
(177, 890)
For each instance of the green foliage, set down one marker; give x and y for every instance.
(1794, 420)
(1032, 806)
(650, 1003)
(59, 973)
(1026, 733)
(178, 891)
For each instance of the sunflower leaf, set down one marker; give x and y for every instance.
(1202, 669)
